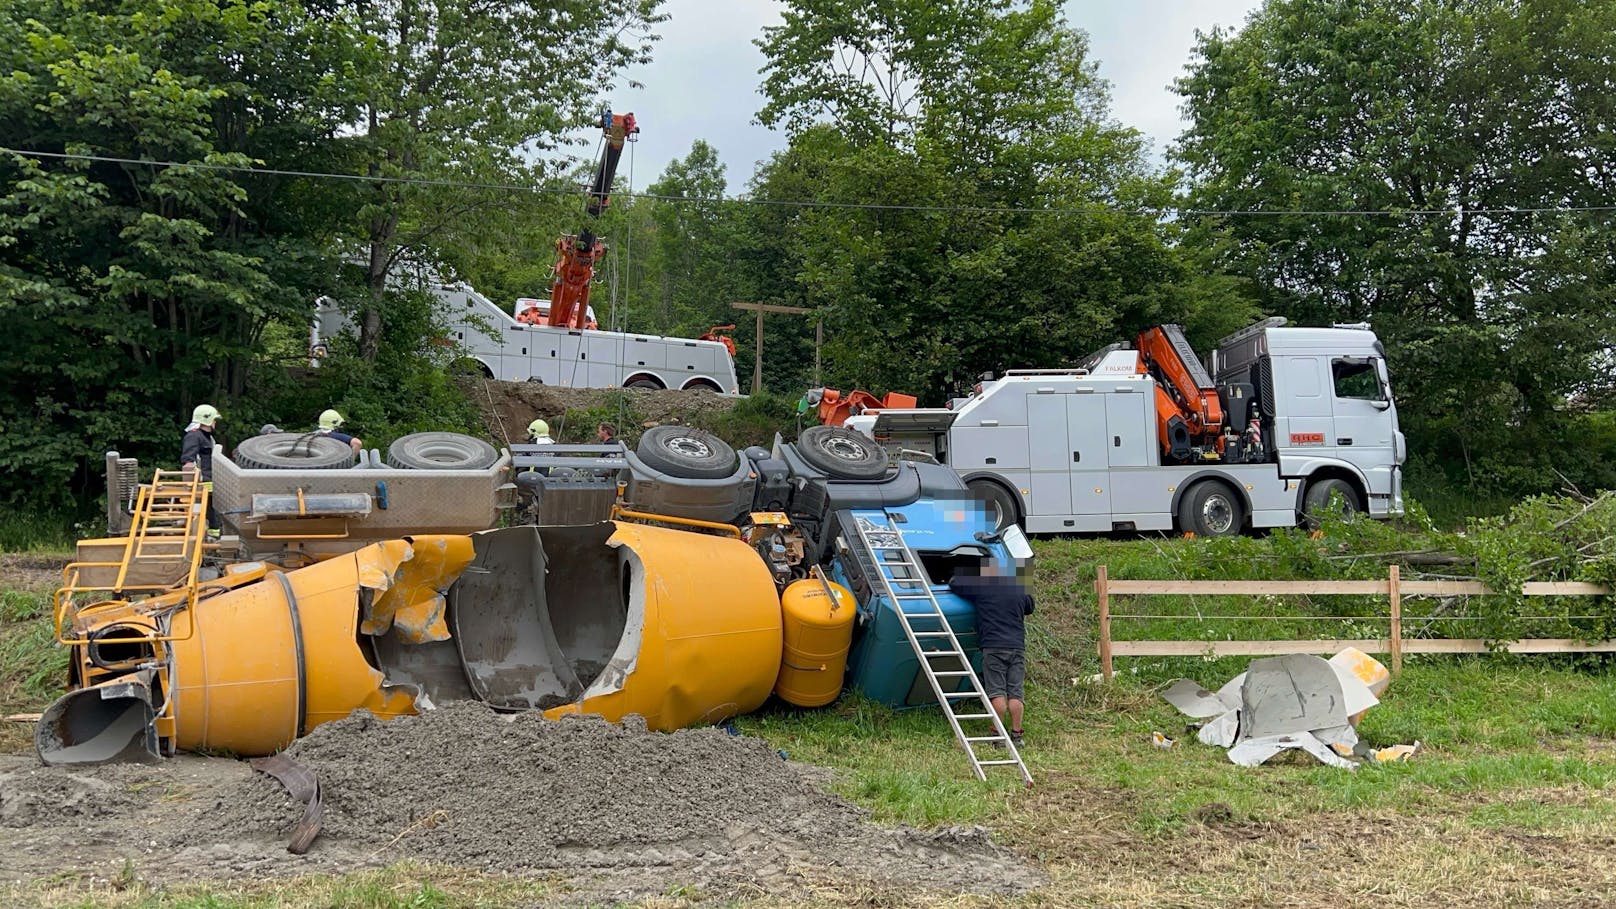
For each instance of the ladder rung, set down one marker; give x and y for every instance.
(987, 738)
(972, 716)
(994, 763)
(952, 653)
(961, 694)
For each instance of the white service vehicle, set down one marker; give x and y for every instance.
(1145, 439)
(504, 348)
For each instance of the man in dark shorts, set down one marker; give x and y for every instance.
(1002, 606)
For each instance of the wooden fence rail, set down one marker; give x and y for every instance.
(1394, 588)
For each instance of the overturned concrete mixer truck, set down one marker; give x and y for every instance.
(679, 581)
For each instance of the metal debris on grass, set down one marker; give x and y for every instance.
(1293, 702)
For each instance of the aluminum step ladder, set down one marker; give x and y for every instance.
(169, 524)
(942, 660)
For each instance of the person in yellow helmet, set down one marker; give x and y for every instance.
(196, 451)
(538, 433)
(330, 422)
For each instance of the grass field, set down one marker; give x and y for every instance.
(1509, 803)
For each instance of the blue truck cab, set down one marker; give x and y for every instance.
(947, 529)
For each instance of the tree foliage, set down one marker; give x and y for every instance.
(466, 90)
(916, 114)
(1458, 122)
(131, 291)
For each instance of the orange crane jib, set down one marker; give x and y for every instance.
(1184, 391)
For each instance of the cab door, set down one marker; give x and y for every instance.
(1365, 426)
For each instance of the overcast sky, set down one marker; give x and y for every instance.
(703, 80)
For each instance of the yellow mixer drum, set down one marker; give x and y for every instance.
(818, 631)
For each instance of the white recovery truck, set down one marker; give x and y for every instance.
(1145, 439)
(504, 348)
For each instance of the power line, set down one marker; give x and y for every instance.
(1157, 211)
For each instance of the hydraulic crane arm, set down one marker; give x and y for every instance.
(1188, 409)
(578, 254)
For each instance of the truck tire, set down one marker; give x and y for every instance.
(440, 451)
(1318, 495)
(1002, 506)
(842, 453)
(687, 453)
(292, 451)
(644, 385)
(1211, 509)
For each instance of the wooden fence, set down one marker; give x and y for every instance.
(1393, 587)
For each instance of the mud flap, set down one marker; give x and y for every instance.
(304, 787)
(110, 722)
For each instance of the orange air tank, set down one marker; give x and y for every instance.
(818, 629)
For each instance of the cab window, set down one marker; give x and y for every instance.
(1355, 378)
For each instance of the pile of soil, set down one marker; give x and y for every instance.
(507, 407)
(614, 808)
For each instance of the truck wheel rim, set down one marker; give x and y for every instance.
(687, 445)
(842, 448)
(1217, 514)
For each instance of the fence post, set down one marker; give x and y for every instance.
(1394, 590)
(1102, 590)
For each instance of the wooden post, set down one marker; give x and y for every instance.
(757, 362)
(757, 359)
(819, 341)
(1102, 591)
(1394, 590)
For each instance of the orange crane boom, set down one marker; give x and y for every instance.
(1188, 408)
(578, 254)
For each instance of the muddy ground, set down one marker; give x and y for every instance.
(31, 571)
(507, 407)
(616, 811)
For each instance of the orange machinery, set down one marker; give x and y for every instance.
(578, 254)
(835, 407)
(1189, 411)
(720, 333)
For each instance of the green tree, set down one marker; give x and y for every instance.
(689, 243)
(465, 90)
(1454, 122)
(992, 213)
(132, 291)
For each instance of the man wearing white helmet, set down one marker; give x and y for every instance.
(196, 450)
(330, 421)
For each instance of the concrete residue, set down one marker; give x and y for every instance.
(468, 787)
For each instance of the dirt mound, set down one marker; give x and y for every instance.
(507, 407)
(613, 808)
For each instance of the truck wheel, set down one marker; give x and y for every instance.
(440, 451)
(644, 385)
(292, 451)
(842, 453)
(1318, 495)
(1211, 509)
(1000, 503)
(685, 452)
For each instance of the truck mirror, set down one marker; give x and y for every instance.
(1381, 404)
(1016, 543)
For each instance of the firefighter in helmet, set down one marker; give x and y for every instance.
(330, 423)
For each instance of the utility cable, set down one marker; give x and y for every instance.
(1094, 210)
